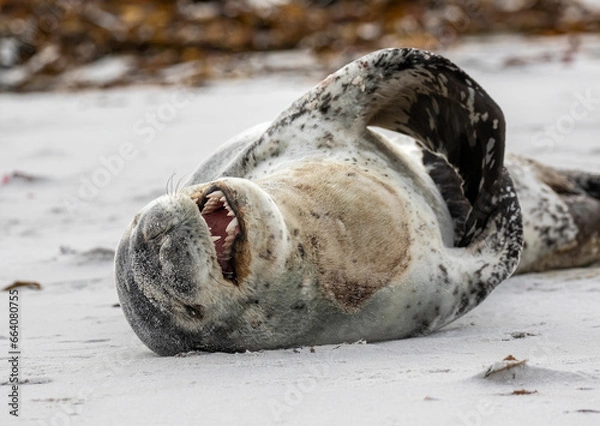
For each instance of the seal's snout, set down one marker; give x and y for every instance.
(166, 274)
(164, 216)
(171, 242)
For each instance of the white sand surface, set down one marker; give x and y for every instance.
(80, 363)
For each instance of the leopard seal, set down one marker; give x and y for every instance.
(318, 229)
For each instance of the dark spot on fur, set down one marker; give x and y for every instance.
(267, 255)
(464, 304)
(314, 242)
(195, 311)
(298, 306)
(301, 251)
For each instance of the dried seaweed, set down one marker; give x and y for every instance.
(43, 41)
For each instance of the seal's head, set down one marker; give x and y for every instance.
(187, 267)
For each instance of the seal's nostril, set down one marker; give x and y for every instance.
(155, 230)
(157, 222)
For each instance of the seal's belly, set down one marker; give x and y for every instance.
(360, 229)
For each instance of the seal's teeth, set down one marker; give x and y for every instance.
(215, 239)
(216, 195)
(232, 225)
(211, 205)
(230, 213)
(225, 203)
(227, 245)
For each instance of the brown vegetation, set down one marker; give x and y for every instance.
(41, 40)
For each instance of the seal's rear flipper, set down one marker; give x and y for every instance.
(587, 182)
(561, 210)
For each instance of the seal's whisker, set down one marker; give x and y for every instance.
(178, 187)
(169, 186)
(173, 184)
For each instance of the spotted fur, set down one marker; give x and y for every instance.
(344, 234)
(561, 215)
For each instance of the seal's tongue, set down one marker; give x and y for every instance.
(224, 227)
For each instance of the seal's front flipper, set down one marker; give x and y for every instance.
(431, 99)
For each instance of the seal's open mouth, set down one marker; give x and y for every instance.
(224, 228)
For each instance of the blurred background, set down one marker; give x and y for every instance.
(73, 44)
